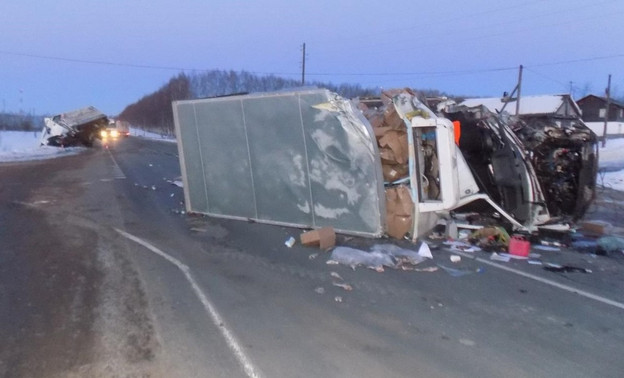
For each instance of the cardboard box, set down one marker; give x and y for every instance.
(393, 172)
(387, 156)
(396, 140)
(595, 227)
(398, 226)
(324, 238)
(392, 119)
(399, 211)
(380, 132)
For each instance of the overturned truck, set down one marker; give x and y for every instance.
(309, 158)
(77, 127)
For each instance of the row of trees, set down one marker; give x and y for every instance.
(154, 112)
(20, 121)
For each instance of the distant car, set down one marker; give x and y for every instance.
(110, 132)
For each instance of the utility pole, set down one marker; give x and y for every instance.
(519, 90)
(604, 130)
(303, 66)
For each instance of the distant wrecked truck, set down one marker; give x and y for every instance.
(78, 127)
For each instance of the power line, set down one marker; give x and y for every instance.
(100, 62)
(413, 73)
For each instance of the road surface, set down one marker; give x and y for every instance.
(102, 275)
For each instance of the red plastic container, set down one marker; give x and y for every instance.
(519, 246)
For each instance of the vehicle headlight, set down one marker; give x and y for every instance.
(103, 133)
(114, 133)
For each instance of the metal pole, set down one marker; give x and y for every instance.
(303, 67)
(604, 130)
(519, 89)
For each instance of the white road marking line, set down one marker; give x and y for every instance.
(118, 172)
(545, 280)
(233, 344)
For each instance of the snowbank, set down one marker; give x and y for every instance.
(22, 146)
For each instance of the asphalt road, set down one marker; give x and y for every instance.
(102, 275)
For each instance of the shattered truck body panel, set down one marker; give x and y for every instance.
(77, 127)
(304, 158)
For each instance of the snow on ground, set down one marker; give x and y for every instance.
(21, 146)
(611, 161)
(150, 135)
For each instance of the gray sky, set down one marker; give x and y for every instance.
(61, 55)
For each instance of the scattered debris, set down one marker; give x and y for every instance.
(312, 256)
(546, 248)
(320, 290)
(354, 257)
(343, 285)
(424, 250)
(402, 255)
(290, 242)
(324, 238)
(455, 258)
(491, 238)
(517, 257)
(177, 183)
(457, 272)
(534, 262)
(428, 269)
(496, 257)
(585, 245)
(461, 246)
(338, 298)
(611, 244)
(565, 268)
(336, 275)
(596, 227)
(380, 256)
(519, 246)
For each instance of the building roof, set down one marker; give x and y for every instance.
(542, 104)
(603, 99)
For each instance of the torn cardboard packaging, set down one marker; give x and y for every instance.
(324, 238)
(399, 210)
(396, 141)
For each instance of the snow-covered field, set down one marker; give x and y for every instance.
(21, 146)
